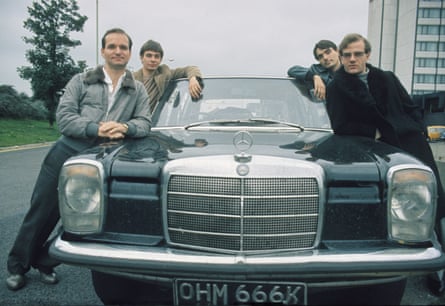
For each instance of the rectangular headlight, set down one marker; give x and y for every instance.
(412, 196)
(81, 196)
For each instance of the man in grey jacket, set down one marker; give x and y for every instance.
(97, 106)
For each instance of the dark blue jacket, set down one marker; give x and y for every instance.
(306, 75)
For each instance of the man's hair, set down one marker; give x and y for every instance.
(351, 38)
(152, 46)
(119, 31)
(322, 45)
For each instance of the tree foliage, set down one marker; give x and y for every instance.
(51, 22)
(20, 106)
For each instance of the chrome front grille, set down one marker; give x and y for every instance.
(243, 214)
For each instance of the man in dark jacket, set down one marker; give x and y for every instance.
(366, 101)
(318, 75)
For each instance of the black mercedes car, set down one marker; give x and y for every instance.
(246, 197)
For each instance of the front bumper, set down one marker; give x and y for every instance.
(156, 263)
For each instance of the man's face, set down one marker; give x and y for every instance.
(117, 51)
(328, 58)
(151, 60)
(354, 57)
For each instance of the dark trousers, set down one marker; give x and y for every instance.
(31, 246)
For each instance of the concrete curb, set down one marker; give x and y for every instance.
(25, 147)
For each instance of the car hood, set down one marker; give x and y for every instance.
(342, 157)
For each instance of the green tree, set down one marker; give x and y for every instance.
(51, 68)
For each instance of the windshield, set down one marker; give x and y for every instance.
(244, 99)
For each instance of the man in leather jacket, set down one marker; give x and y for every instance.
(318, 75)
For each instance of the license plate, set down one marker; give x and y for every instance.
(218, 293)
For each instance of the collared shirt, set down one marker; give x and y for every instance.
(112, 90)
(152, 90)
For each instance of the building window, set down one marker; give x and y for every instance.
(430, 12)
(426, 62)
(441, 79)
(430, 46)
(424, 78)
(421, 92)
(430, 29)
(430, 62)
(433, 105)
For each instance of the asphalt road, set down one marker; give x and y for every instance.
(18, 172)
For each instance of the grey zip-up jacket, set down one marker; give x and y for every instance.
(85, 103)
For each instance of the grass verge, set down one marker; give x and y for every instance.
(22, 132)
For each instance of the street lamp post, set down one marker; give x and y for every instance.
(97, 33)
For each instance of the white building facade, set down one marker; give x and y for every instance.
(408, 38)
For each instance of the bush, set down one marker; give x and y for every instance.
(19, 106)
(39, 111)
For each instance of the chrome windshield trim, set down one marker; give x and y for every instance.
(237, 128)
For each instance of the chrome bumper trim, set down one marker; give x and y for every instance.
(173, 256)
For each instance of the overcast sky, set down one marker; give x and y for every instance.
(222, 37)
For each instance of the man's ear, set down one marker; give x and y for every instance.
(368, 56)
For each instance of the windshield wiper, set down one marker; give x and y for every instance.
(256, 120)
(271, 121)
(212, 122)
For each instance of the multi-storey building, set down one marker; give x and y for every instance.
(408, 37)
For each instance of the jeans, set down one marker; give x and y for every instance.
(31, 246)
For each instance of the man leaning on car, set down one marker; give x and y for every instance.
(366, 101)
(155, 76)
(98, 105)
